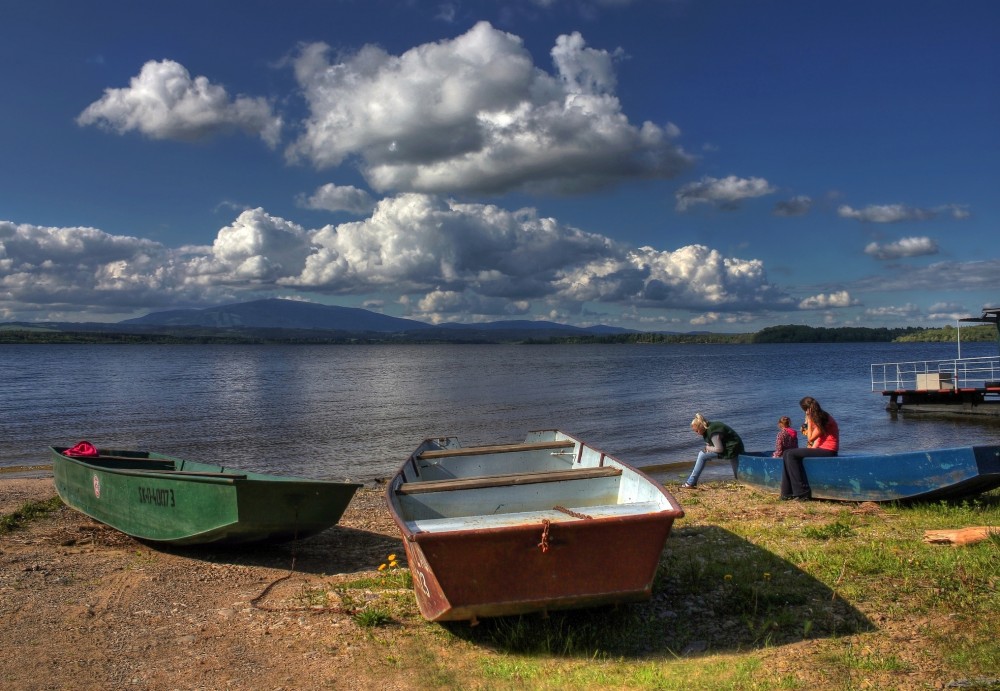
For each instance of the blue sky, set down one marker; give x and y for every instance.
(667, 165)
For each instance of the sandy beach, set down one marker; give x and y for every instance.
(84, 606)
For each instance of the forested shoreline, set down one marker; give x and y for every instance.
(791, 333)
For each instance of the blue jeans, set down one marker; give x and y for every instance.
(699, 465)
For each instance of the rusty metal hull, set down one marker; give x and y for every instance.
(497, 572)
(568, 543)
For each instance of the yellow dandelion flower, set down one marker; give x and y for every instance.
(392, 557)
(729, 576)
(393, 564)
(381, 567)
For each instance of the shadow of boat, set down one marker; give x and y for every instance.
(715, 592)
(337, 550)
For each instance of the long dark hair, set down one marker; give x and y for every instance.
(815, 413)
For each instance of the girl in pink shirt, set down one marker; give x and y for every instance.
(787, 437)
(823, 437)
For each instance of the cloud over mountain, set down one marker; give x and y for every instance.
(440, 259)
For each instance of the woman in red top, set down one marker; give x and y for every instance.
(823, 438)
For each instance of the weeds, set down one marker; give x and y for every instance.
(28, 512)
(370, 601)
(372, 616)
(830, 531)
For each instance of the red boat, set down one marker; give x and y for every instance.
(550, 523)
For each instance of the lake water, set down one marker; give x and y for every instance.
(356, 412)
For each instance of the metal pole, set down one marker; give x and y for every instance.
(958, 334)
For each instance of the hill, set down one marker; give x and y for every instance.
(296, 315)
(280, 314)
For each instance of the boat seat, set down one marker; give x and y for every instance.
(501, 448)
(510, 479)
(129, 463)
(501, 520)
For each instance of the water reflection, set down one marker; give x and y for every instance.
(357, 411)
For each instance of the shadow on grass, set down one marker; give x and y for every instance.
(714, 592)
(334, 551)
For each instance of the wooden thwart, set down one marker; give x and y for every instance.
(233, 476)
(501, 448)
(510, 479)
(186, 473)
(115, 458)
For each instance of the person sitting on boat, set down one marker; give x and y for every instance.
(823, 437)
(787, 437)
(721, 441)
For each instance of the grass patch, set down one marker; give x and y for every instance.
(372, 616)
(751, 593)
(371, 601)
(746, 579)
(28, 512)
(830, 531)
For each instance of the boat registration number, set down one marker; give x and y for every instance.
(157, 497)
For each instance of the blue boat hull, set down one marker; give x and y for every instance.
(911, 476)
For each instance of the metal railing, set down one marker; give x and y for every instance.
(960, 373)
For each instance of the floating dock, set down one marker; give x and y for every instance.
(957, 400)
(963, 386)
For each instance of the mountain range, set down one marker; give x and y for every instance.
(297, 315)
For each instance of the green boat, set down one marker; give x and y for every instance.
(171, 501)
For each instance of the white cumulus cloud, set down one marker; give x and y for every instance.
(165, 102)
(442, 259)
(726, 193)
(897, 213)
(45, 270)
(331, 197)
(475, 114)
(840, 298)
(904, 247)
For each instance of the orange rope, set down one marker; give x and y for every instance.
(544, 544)
(572, 513)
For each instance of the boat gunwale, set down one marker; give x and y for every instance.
(672, 507)
(221, 477)
(981, 462)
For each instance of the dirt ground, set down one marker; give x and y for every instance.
(84, 606)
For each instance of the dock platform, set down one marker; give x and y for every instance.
(964, 386)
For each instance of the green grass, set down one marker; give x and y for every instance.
(750, 594)
(740, 583)
(371, 600)
(371, 616)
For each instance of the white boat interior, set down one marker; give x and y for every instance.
(550, 477)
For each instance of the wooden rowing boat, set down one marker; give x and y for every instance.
(547, 524)
(168, 500)
(910, 476)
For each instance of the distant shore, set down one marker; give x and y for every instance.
(23, 333)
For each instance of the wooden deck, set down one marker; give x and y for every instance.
(978, 400)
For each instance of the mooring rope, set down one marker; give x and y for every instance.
(574, 514)
(544, 544)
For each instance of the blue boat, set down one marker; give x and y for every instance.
(909, 476)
